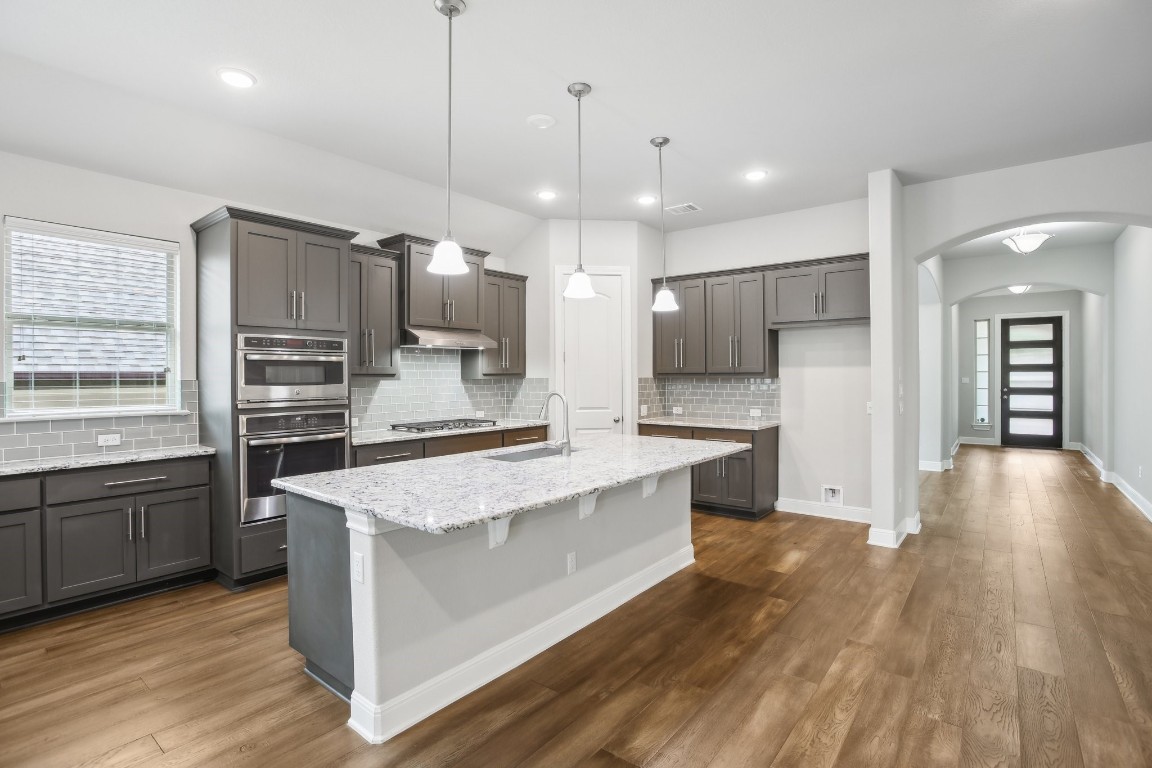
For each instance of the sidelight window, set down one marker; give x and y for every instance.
(983, 341)
(89, 321)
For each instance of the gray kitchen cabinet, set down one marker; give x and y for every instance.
(374, 343)
(20, 580)
(819, 292)
(91, 547)
(388, 453)
(680, 338)
(844, 291)
(174, 533)
(735, 324)
(737, 474)
(438, 301)
(795, 293)
(289, 278)
(707, 484)
(503, 321)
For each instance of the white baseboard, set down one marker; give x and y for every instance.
(912, 524)
(1141, 503)
(378, 723)
(1105, 475)
(978, 441)
(884, 537)
(955, 446)
(935, 466)
(831, 511)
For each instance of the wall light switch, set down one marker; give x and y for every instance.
(571, 563)
(108, 438)
(643, 410)
(965, 380)
(355, 422)
(755, 413)
(677, 410)
(479, 414)
(868, 408)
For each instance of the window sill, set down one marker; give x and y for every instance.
(104, 414)
(982, 427)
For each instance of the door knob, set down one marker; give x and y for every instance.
(616, 420)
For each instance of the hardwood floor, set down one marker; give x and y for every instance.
(1015, 630)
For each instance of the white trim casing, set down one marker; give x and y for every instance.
(830, 511)
(978, 441)
(1141, 503)
(955, 446)
(935, 466)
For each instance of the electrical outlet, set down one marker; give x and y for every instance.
(479, 414)
(832, 495)
(355, 421)
(358, 567)
(108, 438)
(868, 407)
(755, 413)
(965, 380)
(677, 410)
(643, 410)
(571, 563)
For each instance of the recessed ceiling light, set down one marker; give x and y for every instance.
(541, 121)
(237, 78)
(646, 199)
(755, 175)
(1019, 288)
(546, 194)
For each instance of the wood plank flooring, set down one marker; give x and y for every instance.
(1015, 630)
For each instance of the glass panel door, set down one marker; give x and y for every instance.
(1031, 382)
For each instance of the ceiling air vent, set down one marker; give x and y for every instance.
(682, 208)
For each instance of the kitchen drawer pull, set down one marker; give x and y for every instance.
(674, 437)
(522, 439)
(393, 456)
(282, 547)
(720, 440)
(133, 482)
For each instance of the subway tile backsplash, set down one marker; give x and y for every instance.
(429, 387)
(711, 397)
(20, 440)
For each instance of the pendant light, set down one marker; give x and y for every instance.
(447, 256)
(579, 284)
(1025, 242)
(665, 299)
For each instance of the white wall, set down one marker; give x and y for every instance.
(1085, 268)
(1132, 321)
(933, 453)
(1096, 376)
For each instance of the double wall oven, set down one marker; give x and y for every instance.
(292, 401)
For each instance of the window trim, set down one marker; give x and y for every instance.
(170, 248)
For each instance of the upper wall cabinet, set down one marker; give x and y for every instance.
(504, 321)
(735, 306)
(819, 292)
(678, 341)
(438, 301)
(373, 331)
(283, 273)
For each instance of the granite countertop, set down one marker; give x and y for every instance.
(710, 423)
(35, 466)
(377, 436)
(453, 492)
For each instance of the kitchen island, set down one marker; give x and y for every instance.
(413, 584)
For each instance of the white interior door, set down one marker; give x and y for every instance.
(593, 357)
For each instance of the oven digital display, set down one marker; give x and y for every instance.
(293, 343)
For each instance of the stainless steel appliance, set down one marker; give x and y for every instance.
(443, 425)
(276, 445)
(278, 371)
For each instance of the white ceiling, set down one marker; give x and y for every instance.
(817, 93)
(1065, 234)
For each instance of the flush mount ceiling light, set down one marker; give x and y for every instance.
(1019, 288)
(579, 284)
(646, 199)
(237, 78)
(665, 299)
(540, 122)
(447, 256)
(1025, 242)
(756, 175)
(546, 194)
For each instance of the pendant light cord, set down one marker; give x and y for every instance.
(448, 227)
(579, 184)
(663, 241)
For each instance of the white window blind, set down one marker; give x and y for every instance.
(89, 320)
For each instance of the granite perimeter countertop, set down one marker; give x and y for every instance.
(377, 436)
(36, 466)
(453, 492)
(710, 423)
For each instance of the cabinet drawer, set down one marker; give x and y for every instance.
(446, 446)
(389, 453)
(264, 550)
(523, 436)
(656, 430)
(730, 435)
(19, 494)
(124, 480)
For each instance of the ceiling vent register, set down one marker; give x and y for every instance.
(682, 208)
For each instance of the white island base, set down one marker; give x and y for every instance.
(438, 616)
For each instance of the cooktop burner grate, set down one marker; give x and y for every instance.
(443, 425)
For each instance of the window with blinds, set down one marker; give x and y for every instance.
(89, 321)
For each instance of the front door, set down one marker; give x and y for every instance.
(593, 362)
(1031, 382)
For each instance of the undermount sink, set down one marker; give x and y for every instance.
(542, 452)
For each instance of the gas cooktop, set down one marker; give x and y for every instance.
(443, 425)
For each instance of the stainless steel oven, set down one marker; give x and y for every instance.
(277, 371)
(274, 445)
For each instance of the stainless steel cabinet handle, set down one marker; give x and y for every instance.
(372, 346)
(293, 304)
(129, 523)
(393, 456)
(815, 305)
(282, 547)
(736, 344)
(301, 439)
(720, 440)
(671, 436)
(364, 347)
(823, 304)
(730, 338)
(132, 482)
(446, 316)
(526, 439)
(142, 534)
(724, 463)
(301, 305)
(681, 351)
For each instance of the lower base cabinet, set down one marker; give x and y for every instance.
(20, 560)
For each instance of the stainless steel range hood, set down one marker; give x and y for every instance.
(445, 338)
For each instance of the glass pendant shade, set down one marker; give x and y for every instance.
(665, 301)
(448, 258)
(579, 286)
(1025, 243)
(1019, 288)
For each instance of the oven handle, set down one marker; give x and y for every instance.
(297, 439)
(296, 358)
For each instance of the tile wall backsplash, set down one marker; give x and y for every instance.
(21, 440)
(429, 387)
(715, 397)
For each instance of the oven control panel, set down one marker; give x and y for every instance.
(293, 343)
(308, 421)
